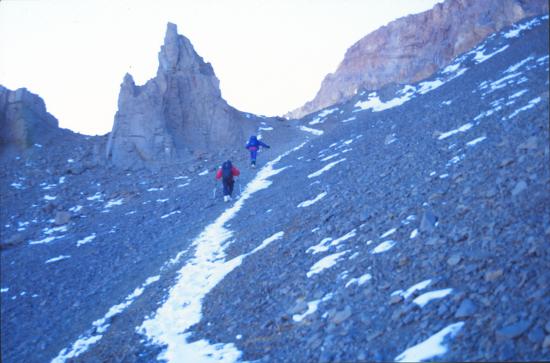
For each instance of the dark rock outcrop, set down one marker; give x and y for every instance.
(24, 120)
(178, 112)
(412, 48)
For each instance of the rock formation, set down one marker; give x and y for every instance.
(177, 112)
(412, 48)
(24, 120)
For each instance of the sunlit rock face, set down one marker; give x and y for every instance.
(178, 112)
(412, 48)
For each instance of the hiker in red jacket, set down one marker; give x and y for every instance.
(226, 172)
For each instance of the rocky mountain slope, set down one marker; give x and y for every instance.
(177, 114)
(411, 222)
(412, 48)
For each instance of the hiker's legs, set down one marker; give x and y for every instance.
(226, 188)
(253, 154)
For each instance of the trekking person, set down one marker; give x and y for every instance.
(253, 145)
(226, 173)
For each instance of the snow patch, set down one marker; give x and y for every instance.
(170, 214)
(94, 334)
(58, 258)
(114, 202)
(388, 233)
(307, 203)
(529, 105)
(75, 209)
(327, 167)
(311, 308)
(425, 298)
(17, 185)
(431, 347)
(96, 196)
(320, 247)
(360, 280)
(325, 263)
(475, 141)
(313, 131)
(462, 128)
(481, 57)
(330, 157)
(518, 29)
(49, 231)
(383, 247)
(86, 240)
(349, 119)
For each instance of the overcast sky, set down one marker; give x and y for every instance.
(270, 55)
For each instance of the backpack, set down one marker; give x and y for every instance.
(227, 171)
(253, 141)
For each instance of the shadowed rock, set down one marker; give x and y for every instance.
(24, 120)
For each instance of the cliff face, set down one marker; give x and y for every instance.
(24, 120)
(412, 48)
(177, 112)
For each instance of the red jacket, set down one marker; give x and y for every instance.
(234, 172)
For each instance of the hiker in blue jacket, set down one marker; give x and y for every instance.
(253, 145)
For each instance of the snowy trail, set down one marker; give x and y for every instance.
(204, 271)
(182, 309)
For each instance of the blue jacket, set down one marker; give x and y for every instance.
(254, 144)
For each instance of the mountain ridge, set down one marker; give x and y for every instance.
(412, 48)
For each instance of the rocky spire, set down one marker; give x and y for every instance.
(177, 112)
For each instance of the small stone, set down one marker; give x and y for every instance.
(12, 241)
(530, 144)
(299, 308)
(403, 261)
(514, 330)
(520, 187)
(466, 308)
(365, 216)
(427, 224)
(62, 218)
(454, 260)
(397, 314)
(493, 275)
(374, 335)
(342, 315)
(507, 352)
(396, 299)
(433, 241)
(491, 193)
(506, 162)
(459, 234)
(536, 335)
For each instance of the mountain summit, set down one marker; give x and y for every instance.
(179, 111)
(412, 48)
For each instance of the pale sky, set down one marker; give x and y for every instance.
(269, 55)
